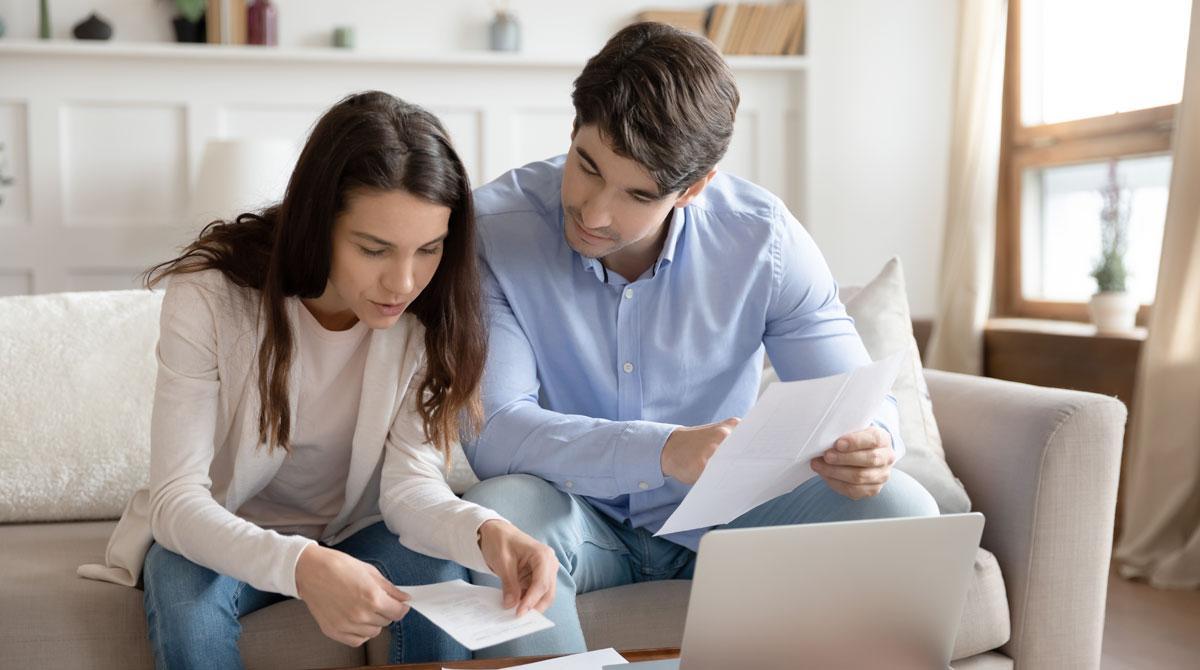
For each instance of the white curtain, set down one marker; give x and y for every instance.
(1160, 539)
(965, 293)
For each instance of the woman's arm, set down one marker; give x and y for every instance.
(184, 517)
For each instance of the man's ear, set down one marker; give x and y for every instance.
(693, 191)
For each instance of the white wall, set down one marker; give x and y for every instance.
(549, 26)
(880, 103)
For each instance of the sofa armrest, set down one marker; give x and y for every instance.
(1041, 464)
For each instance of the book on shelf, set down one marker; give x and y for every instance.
(755, 28)
(225, 21)
(691, 20)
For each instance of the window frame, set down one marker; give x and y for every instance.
(1142, 132)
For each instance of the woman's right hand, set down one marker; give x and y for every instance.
(350, 600)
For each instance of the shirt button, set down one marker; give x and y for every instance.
(628, 367)
(629, 294)
(569, 484)
(643, 485)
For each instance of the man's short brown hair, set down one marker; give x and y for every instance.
(662, 97)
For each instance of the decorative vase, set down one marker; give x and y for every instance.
(190, 32)
(2, 26)
(261, 24)
(44, 19)
(92, 28)
(505, 32)
(1113, 311)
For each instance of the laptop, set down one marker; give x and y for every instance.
(883, 593)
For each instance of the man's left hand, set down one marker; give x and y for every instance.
(859, 463)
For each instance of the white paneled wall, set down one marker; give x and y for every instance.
(103, 141)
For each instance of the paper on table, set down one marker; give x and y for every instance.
(768, 454)
(592, 660)
(473, 614)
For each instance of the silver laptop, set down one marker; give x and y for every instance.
(861, 594)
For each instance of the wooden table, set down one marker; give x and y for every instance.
(631, 656)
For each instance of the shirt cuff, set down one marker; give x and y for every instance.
(637, 457)
(296, 544)
(469, 554)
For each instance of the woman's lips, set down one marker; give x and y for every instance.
(390, 309)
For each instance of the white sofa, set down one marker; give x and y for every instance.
(1041, 464)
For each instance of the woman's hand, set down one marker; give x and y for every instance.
(349, 599)
(527, 568)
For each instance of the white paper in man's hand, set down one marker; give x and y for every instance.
(592, 660)
(473, 614)
(768, 453)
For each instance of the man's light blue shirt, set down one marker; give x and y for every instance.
(589, 372)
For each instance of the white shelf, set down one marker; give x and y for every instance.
(292, 55)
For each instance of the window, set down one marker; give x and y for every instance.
(1091, 88)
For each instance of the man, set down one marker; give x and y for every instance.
(632, 290)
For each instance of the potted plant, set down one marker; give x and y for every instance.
(1113, 308)
(189, 23)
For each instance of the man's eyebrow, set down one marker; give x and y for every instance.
(372, 238)
(588, 159)
(635, 192)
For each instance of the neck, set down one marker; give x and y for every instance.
(634, 260)
(330, 316)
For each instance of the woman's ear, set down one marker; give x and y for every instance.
(692, 192)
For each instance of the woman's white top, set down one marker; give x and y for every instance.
(206, 462)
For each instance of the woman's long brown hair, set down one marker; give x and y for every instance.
(367, 142)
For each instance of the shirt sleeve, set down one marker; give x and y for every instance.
(184, 516)
(808, 332)
(578, 454)
(416, 501)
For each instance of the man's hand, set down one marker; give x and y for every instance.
(349, 599)
(859, 464)
(527, 569)
(686, 453)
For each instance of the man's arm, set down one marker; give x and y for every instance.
(578, 454)
(808, 333)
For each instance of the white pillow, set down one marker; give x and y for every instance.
(76, 387)
(880, 313)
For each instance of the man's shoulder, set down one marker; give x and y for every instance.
(534, 188)
(741, 212)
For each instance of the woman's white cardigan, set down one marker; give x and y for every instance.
(206, 460)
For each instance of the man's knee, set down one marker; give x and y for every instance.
(902, 496)
(528, 502)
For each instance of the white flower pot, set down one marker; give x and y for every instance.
(1114, 311)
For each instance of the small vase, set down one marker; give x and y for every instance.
(44, 19)
(505, 32)
(1113, 311)
(261, 23)
(189, 32)
(92, 28)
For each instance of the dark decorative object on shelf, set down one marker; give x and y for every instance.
(44, 19)
(189, 24)
(1, 26)
(261, 24)
(92, 28)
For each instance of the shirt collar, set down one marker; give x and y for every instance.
(665, 257)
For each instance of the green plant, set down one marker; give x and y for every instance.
(191, 10)
(1109, 271)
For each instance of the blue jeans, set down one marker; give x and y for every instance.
(192, 612)
(597, 552)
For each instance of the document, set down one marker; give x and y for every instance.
(472, 614)
(768, 453)
(592, 660)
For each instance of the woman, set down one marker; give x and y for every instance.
(315, 360)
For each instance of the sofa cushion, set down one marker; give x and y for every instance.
(651, 615)
(76, 384)
(54, 619)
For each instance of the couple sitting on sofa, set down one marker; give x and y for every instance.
(588, 327)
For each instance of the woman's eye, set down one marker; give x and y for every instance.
(372, 252)
(431, 251)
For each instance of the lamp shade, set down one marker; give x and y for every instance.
(240, 176)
